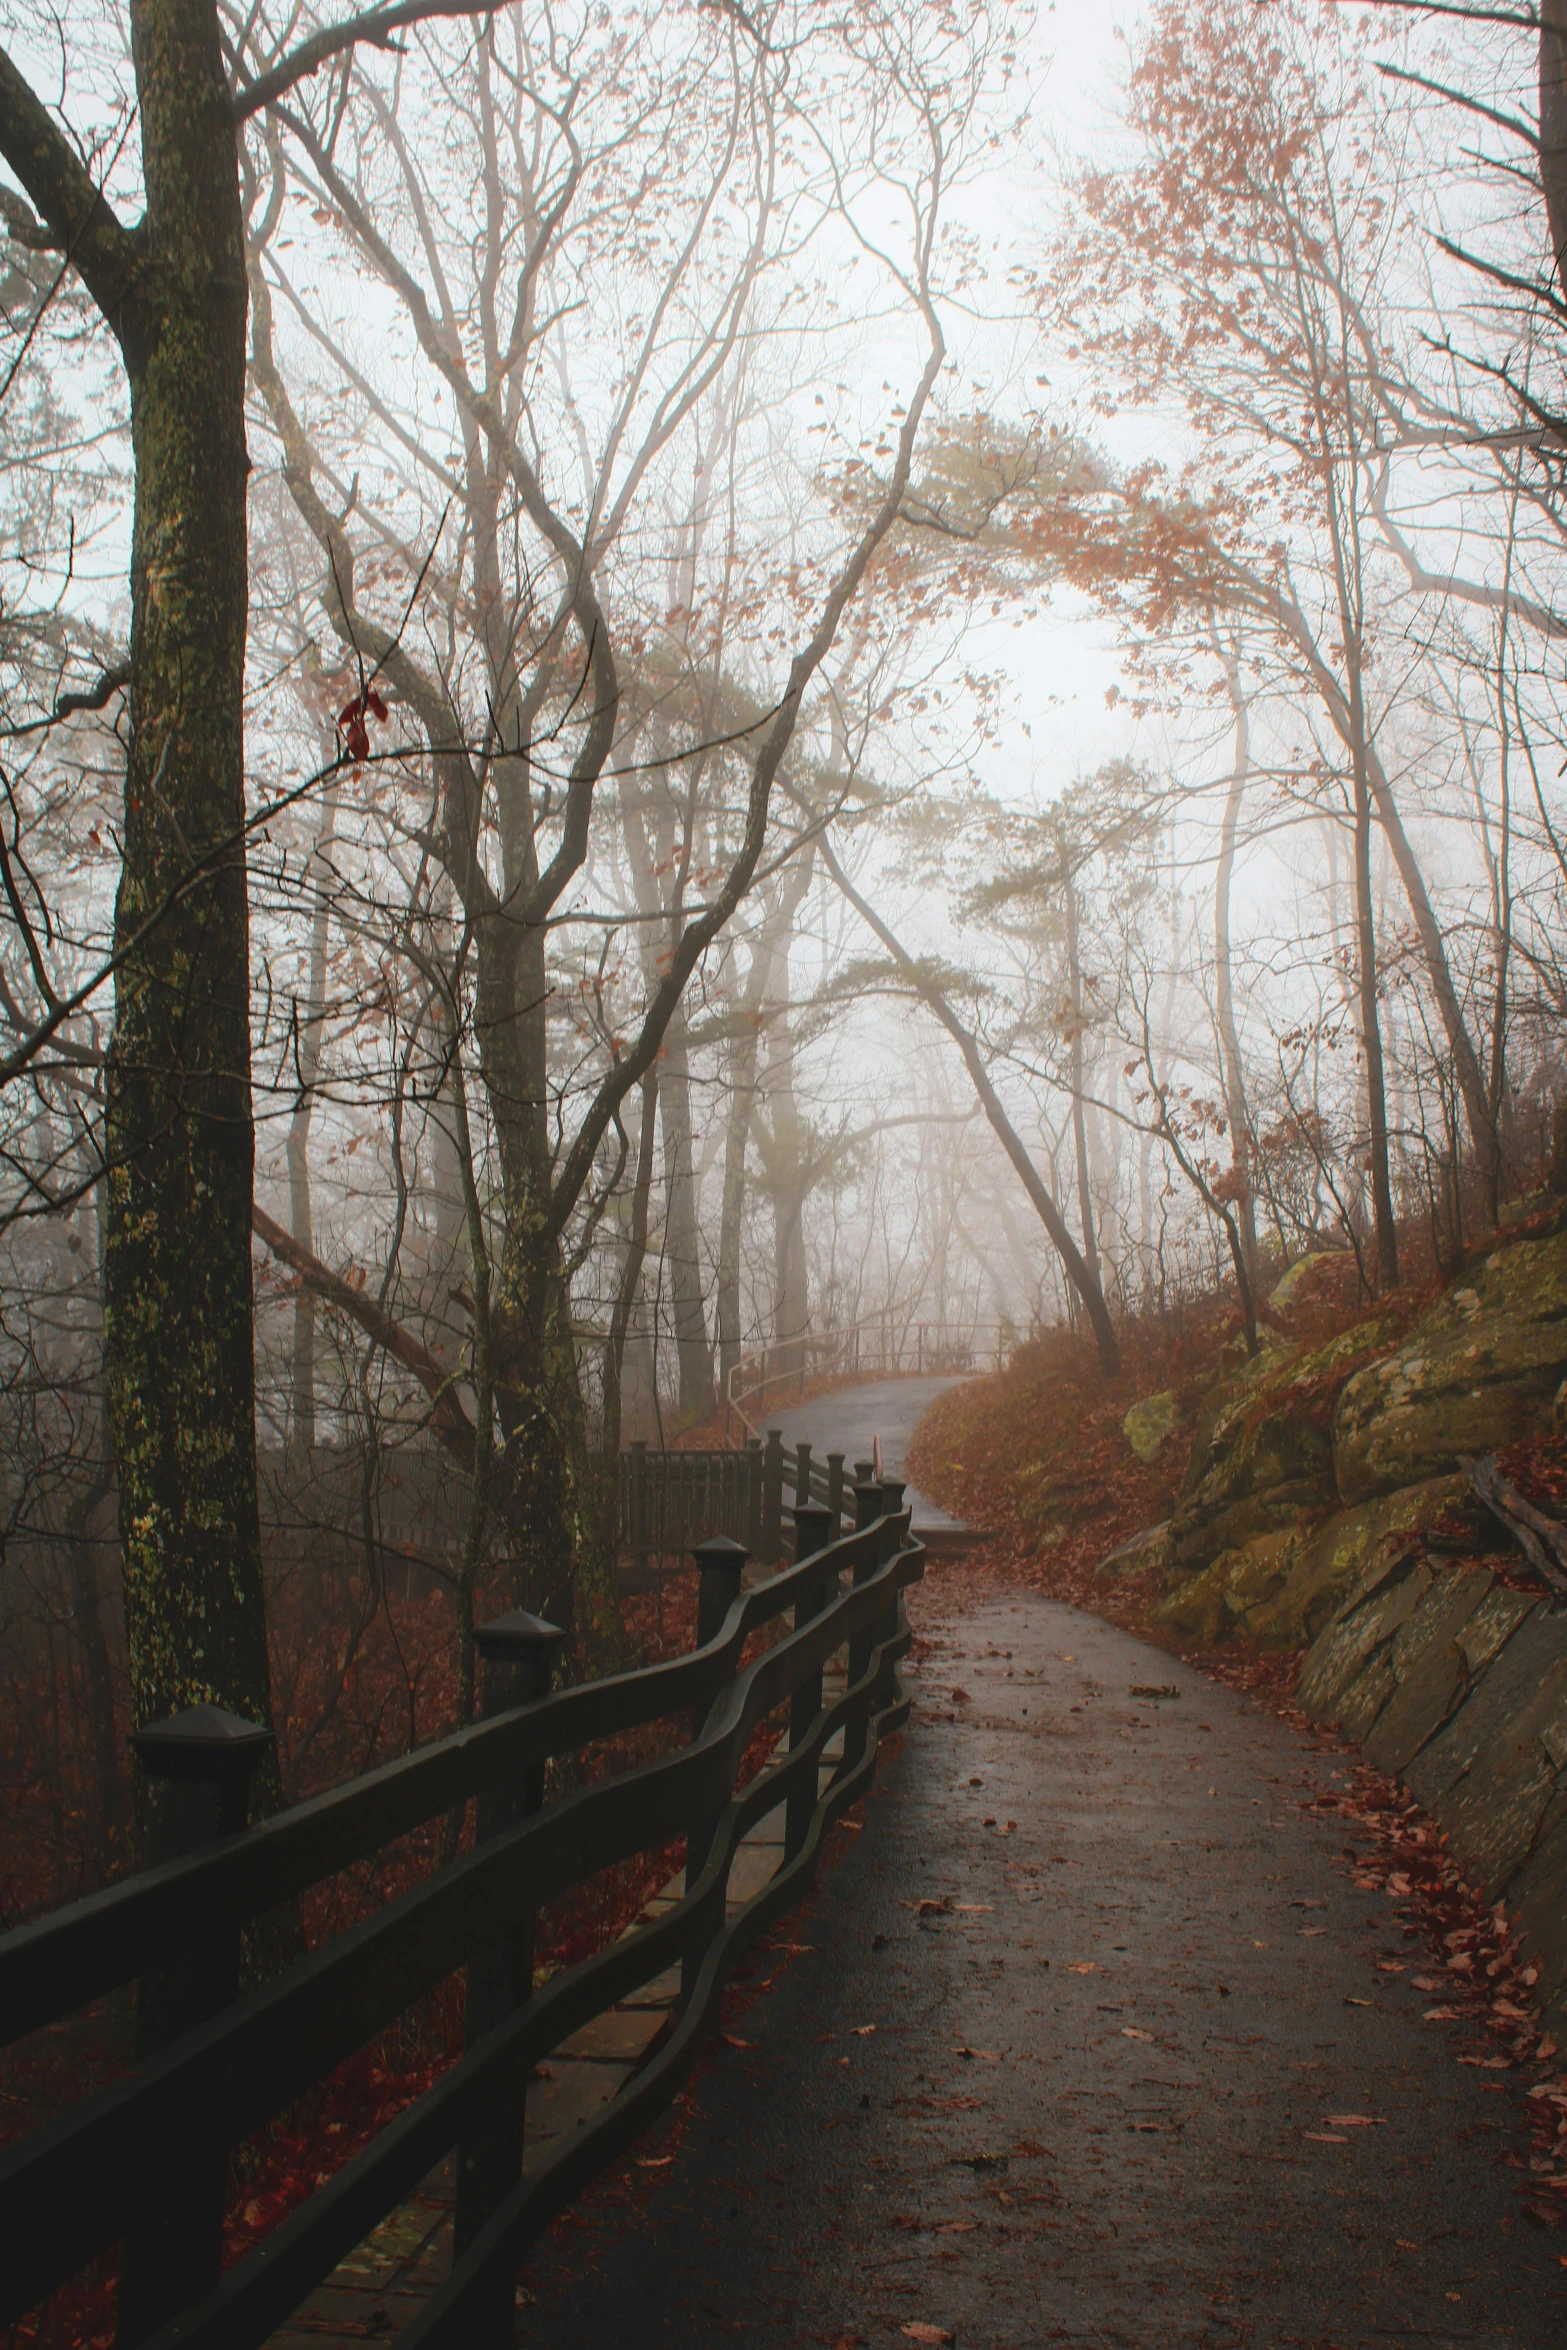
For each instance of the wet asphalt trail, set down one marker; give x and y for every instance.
(1100, 2095)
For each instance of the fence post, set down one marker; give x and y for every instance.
(919, 1340)
(869, 1505)
(753, 1495)
(812, 1533)
(519, 1653)
(199, 1766)
(638, 1527)
(720, 1565)
(892, 1489)
(771, 1544)
(835, 1490)
(802, 1476)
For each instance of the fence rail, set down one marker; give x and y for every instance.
(671, 1501)
(142, 2162)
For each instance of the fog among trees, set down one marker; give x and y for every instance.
(684, 687)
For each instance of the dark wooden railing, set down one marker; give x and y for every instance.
(671, 1501)
(142, 2162)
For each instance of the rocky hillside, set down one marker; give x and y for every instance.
(1319, 1503)
(1310, 1463)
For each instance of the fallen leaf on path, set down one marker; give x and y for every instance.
(1130, 2032)
(1352, 2002)
(1326, 2138)
(1357, 2121)
(863, 2031)
(981, 2055)
(1443, 2015)
(1153, 1689)
(915, 2331)
(1082, 1966)
(654, 2161)
(970, 1909)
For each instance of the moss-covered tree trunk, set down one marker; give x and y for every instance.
(177, 1274)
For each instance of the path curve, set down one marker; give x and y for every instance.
(848, 1420)
(1154, 2072)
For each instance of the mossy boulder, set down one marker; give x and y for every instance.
(1480, 1369)
(1228, 1592)
(1152, 1422)
(1150, 1548)
(1263, 1460)
(1341, 1555)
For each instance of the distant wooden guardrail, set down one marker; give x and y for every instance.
(142, 2162)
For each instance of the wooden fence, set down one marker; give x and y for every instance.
(143, 2162)
(671, 1501)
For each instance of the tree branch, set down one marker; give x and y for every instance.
(74, 208)
(1006, 1133)
(376, 25)
(447, 1417)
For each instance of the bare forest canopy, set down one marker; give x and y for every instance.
(678, 681)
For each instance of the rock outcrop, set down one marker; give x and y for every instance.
(1458, 1684)
(1480, 1369)
(1305, 1462)
(1262, 1461)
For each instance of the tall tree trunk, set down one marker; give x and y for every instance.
(109, 1815)
(742, 1101)
(625, 1306)
(1224, 988)
(1553, 129)
(1371, 1038)
(302, 1412)
(1466, 1061)
(1085, 1201)
(682, 1236)
(543, 1482)
(177, 1278)
(773, 938)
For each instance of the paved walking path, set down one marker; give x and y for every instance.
(850, 1421)
(1092, 2041)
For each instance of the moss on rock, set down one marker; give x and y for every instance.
(1480, 1369)
(1265, 1463)
(1152, 1422)
(1341, 1554)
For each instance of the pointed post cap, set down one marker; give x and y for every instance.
(203, 1742)
(721, 1555)
(516, 1639)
